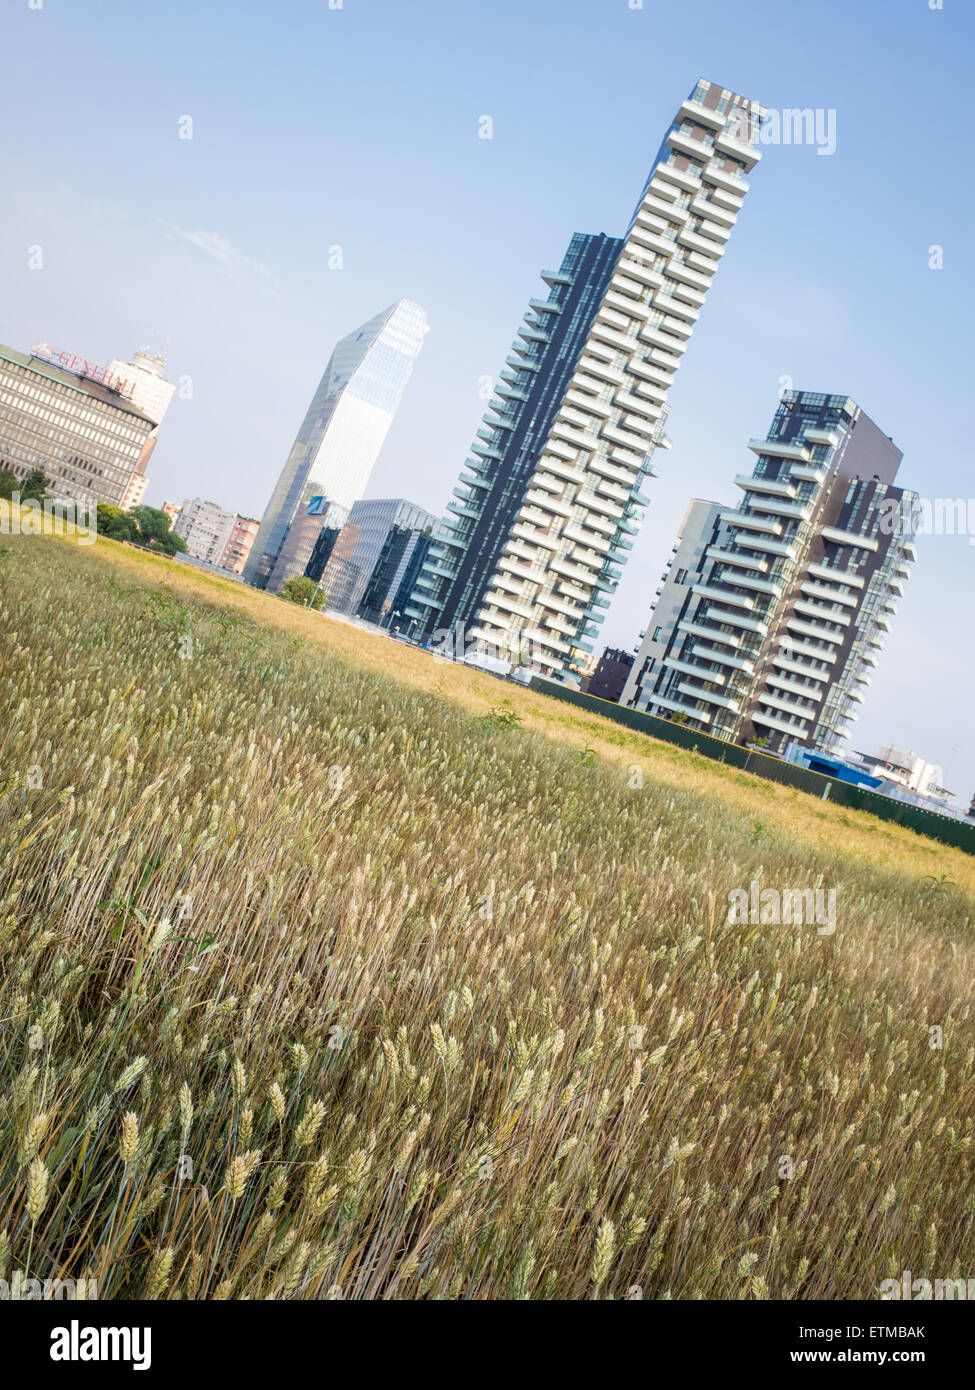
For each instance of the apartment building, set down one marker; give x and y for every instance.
(545, 515)
(771, 628)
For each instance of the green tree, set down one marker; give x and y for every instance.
(34, 485)
(114, 523)
(9, 483)
(153, 530)
(302, 590)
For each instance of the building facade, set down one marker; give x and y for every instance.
(683, 569)
(341, 435)
(774, 633)
(205, 527)
(213, 534)
(243, 533)
(90, 429)
(542, 522)
(372, 556)
(610, 674)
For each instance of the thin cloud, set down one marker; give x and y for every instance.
(224, 252)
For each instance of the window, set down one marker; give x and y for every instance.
(656, 634)
(680, 576)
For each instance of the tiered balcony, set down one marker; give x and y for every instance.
(775, 448)
(775, 487)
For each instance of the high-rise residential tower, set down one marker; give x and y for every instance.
(342, 433)
(541, 523)
(771, 626)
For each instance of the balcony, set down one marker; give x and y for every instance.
(668, 211)
(778, 449)
(787, 706)
(722, 595)
(793, 511)
(794, 687)
(710, 634)
(511, 393)
(787, 549)
(808, 472)
(699, 244)
(836, 576)
(737, 663)
(546, 503)
(714, 230)
(556, 277)
(602, 370)
(714, 212)
(678, 707)
(731, 557)
(724, 198)
(724, 701)
(686, 668)
(797, 648)
(761, 586)
(725, 143)
(775, 487)
(687, 144)
(750, 521)
(810, 629)
(832, 614)
(833, 533)
(680, 270)
(704, 115)
(728, 615)
(827, 437)
(730, 181)
(677, 307)
(823, 591)
(771, 721)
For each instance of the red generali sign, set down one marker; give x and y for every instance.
(80, 366)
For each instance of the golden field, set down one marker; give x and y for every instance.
(328, 970)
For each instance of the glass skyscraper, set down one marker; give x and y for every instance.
(542, 521)
(341, 435)
(365, 570)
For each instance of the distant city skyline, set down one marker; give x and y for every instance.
(248, 250)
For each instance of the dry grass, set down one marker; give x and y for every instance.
(433, 1006)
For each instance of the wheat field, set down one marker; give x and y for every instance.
(331, 972)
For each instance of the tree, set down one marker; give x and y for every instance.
(153, 530)
(9, 483)
(114, 523)
(302, 590)
(34, 486)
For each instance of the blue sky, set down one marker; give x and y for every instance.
(357, 127)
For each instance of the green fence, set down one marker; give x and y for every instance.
(930, 823)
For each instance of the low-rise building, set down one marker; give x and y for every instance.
(90, 429)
